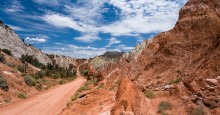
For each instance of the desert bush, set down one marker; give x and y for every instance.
(7, 51)
(2, 58)
(177, 80)
(149, 94)
(85, 73)
(39, 74)
(73, 98)
(163, 106)
(38, 87)
(3, 84)
(29, 81)
(21, 68)
(101, 86)
(32, 60)
(112, 87)
(197, 111)
(84, 87)
(22, 95)
(68, 103)
(88, 82)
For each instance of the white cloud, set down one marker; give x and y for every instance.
(17, 28)
(113, 41)
(81, 51)
(35, 40)
(15, 6)
(88, 38)
(65, 21)
(74, 51)
(136, 16)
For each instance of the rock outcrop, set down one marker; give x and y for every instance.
(65, 61)
(103, 60)
(130, 100)
(189, 52)
(10, 40)
(137, 51)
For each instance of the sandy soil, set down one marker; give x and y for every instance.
(50, 102)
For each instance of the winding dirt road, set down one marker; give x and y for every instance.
(50, 102)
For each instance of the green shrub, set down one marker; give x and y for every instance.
(7, 51)
(32, 60)
(149, 94)
(88, 82)
(112, 87)
(29, 81)
(68, 104)
(83, 88)
(101, 86)
(73, 98)
(22, 96)
(3, 84)
(38, 87)
(21, 69)
(2, 58)
(163, 106)
(39, 74)
(85, 73)
(197, 111)
(177, 80)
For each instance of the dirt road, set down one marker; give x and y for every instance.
(50, 102)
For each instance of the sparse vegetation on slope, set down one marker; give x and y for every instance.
(22, 96)
(149, 94)
(3, 84)
(29, 81)
(2, 58)
(163, 106)
(7, 51)
(197, 111)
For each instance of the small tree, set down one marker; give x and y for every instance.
(2, 58)
(3, 84)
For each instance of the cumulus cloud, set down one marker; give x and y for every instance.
(74, 51)
(88, 38)
(136, 16)
(81, 51)
(113, 41)
(35, 40)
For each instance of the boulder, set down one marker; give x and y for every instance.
(169, 86)
(212, 81)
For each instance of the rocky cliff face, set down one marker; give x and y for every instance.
(65, 61)
(188, 55)
(10, 40)
(137, 51)
(189, 52)
(103, 60)
(180, 69)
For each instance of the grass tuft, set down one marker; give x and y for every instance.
(149, 94)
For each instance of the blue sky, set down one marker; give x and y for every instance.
(86, 28)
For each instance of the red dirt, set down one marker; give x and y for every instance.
(49, 102)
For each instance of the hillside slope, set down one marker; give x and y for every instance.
(10, 40)
(179, 71)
